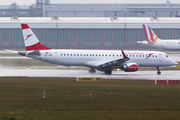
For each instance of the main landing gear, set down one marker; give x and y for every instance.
(92, 71)
(158, 72)
(108, 72)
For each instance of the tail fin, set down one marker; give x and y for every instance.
(149, 34)
(30, 40)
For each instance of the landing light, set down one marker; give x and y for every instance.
(118, 69)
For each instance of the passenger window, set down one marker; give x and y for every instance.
(74, 54)
(81, 54)
(166, 55)
(67, 54)
(64, 54)
(136, 55)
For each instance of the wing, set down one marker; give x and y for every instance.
(107, 64)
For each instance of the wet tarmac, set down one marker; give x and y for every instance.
(141, 75)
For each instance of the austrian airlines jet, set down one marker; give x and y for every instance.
(103, 60)
(153, 40)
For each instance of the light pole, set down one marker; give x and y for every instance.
(57, 19)
(170, 5)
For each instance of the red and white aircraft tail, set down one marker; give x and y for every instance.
(31, 42)
(149, 34)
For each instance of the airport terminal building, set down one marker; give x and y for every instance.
(91, 24)
(87, 32)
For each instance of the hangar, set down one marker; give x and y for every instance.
(107, 8)
(87, 32)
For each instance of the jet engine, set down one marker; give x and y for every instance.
(129, 67)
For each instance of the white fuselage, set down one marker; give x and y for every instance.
(164, 44)
(83, 57)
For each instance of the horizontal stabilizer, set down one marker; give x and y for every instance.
(34, 53)
(23, 53)
(12, 51)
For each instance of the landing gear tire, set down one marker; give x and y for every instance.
(108, 72)
(92, 71)
(158, 72)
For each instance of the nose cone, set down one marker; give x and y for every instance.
(173, 62)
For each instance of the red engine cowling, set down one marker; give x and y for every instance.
(130, 67)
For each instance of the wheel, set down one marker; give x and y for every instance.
(92, 71)
(158, 72)
(108, 72)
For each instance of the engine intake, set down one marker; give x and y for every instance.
(129, 67)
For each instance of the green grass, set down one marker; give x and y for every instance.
(22, 99)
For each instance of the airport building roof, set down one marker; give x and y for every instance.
(107, 2)
(90, 22)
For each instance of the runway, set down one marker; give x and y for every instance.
(141, 75)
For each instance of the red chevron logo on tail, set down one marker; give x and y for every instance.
(28, 36)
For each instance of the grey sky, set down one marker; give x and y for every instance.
(28, 2)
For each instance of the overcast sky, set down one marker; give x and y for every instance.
(29, 2)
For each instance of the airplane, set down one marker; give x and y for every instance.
(152, 40)
(103, 60)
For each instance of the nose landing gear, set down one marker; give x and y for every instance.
(158, 72)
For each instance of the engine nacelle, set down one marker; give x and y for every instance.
(129, 67)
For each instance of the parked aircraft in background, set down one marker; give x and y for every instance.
(103, 60)
(152, 40)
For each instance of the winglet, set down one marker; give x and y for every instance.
(124, 56)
